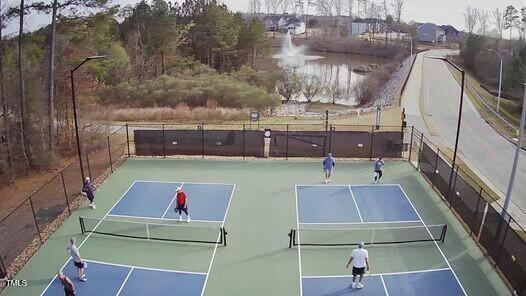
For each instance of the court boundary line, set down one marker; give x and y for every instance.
(175, 182)
(384, 285)
(436, 244)
(215, 248)
(355, 203)
(171, 202)
(124, 282)
(89, 234)
(359, 223)
(165, 219)
(299, 240)
(380, 274)
(376, 228)
(343, 185)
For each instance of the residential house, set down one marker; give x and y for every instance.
(294, 25)
(452, 34)
(360, 26)
(272, 22)
(431, 33)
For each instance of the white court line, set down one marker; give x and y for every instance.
(299, 241)
(436, 244)
(89, 234)
(174, 182)
(376, 228)
(160, 219)
(379, 274)
(360, 223)
(343, 185)
(355, 204)
(383, 284)
(146, 268)
(215, 248)
(171, 202)
(124, 282)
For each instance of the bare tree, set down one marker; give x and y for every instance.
(484, 17)
(522, 24)
(3, 101)
(22, 88)
(254, 6)
(338, 10)
(312, 86)
(398, 7)
(285, 5)
(350, 6)
(324, 7)
(471, 18)
(511, 15)
(374, 12)
(499, 22)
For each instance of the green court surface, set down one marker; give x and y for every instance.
(262, 211)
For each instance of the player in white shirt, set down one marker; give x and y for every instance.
(360, 257)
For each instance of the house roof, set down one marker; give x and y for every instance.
(274, 18)
(431, 25)
(450, 29)
(367, 21)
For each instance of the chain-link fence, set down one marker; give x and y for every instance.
(495, 230)
(29, 224)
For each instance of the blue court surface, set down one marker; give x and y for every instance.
(437, 282)
(156, 200)
(111, 279)
(344, 204)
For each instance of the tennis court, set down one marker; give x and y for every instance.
(344, 215)
(238, 240)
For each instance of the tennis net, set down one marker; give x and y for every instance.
(154, 231)
(370, 236)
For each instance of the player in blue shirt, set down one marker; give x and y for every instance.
(378, 164)
(328, 167)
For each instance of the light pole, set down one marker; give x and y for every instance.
(500, 77)
(459, 119)
(74, 102)
(517, 154)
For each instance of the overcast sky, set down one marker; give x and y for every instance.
(435, 11)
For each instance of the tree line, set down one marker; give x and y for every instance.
(150, 41)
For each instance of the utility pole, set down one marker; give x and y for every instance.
(517, 154)
(500, 86)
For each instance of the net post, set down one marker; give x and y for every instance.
(82, 227)
(65, 192)
(203, 140)
(147, 231)
(223, 230)
(290, 238)
(372, 238)
(294, 237)
(443, 233)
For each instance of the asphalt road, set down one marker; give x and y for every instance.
(432, 102)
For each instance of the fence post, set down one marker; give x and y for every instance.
(128, 139)
(109, 153)
(507, 225)
(244, 141)
(326, 119)
(411, 142)
(89, 168)
(420, 149)
(203, 140)
(164, 142)
(372, 141)
(330, 139)
(476, 208)
(435, 168)
(287, 145)
(454, 185)
(35, 218)
(65, 192)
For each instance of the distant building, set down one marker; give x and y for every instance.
(431, 33)
(452, 34)
(360, 26)
(284, 23)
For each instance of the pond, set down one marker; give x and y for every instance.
(334, 70)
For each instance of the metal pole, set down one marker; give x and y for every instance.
(109, 154)
(74, 102)
(326, 119)
(65, 192)
(517, 154)
(458, 133)
(128, 139)
(500, 86)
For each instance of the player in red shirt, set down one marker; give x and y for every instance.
(182, 204)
